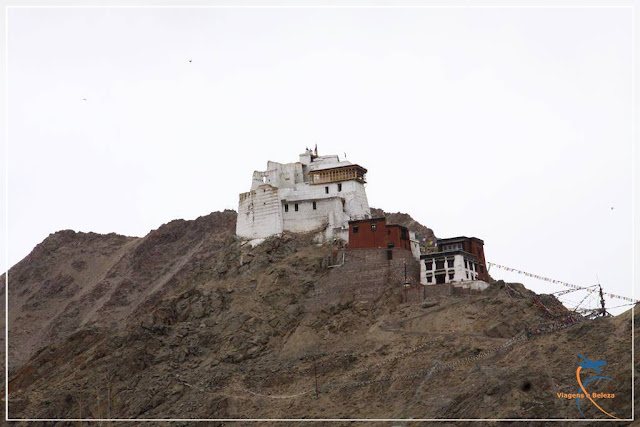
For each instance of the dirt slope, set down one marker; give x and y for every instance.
(72, 280)
(242, 342)
(195, 324)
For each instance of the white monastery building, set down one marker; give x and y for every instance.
(317, 193)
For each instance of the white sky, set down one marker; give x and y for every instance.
(511, 125)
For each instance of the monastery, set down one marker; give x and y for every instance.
(315, 193)
(326, 195)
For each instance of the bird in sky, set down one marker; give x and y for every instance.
(611, 207)
(190, 60)
(84, 99)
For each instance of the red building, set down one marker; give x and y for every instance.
(376, 233)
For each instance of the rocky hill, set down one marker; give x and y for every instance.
(72, 281)
(189, 322)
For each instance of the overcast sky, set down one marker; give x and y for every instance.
(511, 125)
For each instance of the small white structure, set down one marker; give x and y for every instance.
(415, 245)
(317, 193)
(447, 267)
(456, 260)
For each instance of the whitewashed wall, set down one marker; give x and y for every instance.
(261, 210)
(460, 272)
(259, 213)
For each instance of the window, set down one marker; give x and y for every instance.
(374, 227)
(314, 206)
(339, 187)
(296, 207)
(467, 274)
(466, 264)
(439, 264)
(451, 274)
(355, 229)
(428, 265)
(326, 190)
(450, 263)
(286, 207)
(403, 234)
(428, 279)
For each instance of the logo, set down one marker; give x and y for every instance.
(583, 394)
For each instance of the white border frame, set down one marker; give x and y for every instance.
(624, 5)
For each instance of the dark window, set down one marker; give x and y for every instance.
(403, 234)
(355, 229)
(374, 226)
(467, 274)
(440, 278)
(326, 190)
(428, 279)
(339, 187)
(439, 264)
(296, 207)
(428, 265)
(466, 264)
(450, 263)
(314, 206)
(451, 274)
(286, 208)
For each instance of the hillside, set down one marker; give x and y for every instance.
(207, 327)
(73, 281)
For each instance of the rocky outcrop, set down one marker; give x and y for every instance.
(189, 322)
(76, 280)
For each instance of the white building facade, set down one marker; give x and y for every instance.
(447, 267)
(318, 193)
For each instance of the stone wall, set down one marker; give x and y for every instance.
(306, 218)
(259, 213)
(366, 275)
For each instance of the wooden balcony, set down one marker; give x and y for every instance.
(342, 173)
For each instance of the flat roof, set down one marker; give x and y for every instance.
(460, 238)
(328, 168)
(368, 220)
(397, 225)
(447, 253)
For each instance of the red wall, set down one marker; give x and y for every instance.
(394, 235)
(380, 238)
(476, 248)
